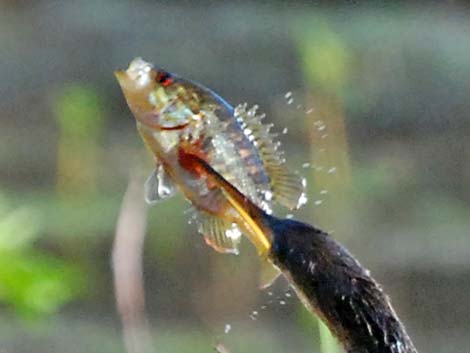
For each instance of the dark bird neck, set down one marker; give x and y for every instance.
(328, 279)
(334, 285)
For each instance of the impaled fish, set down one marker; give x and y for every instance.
(176, 117)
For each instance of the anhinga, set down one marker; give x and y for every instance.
(328, 279)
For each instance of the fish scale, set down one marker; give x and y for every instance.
(252, 164)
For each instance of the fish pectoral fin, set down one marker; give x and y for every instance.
(288, 187)
(222, 236)
(159, 186)
(268, 274)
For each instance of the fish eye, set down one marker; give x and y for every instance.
(164, 78)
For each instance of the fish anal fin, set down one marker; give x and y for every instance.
(268, 274)
(222, 236)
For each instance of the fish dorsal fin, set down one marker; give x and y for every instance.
(222, 236)
(287, 187)
(159, 186)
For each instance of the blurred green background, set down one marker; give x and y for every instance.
(378, 123)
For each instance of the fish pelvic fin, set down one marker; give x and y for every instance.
(287, 187)
(159, 186)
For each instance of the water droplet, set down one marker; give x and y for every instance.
(324, 136)
(302, 200)
(290, 101)
(268, 195)
(284, 131)
(306, 165)
(321, 127)
(298, 106)
(288, 95)
(323, 192)
(331, 170)
(318, 202)
(288, 295)
(227, 329)
(270, 294)
(289, 216)
(233, 233)
(254, 312)
(309, 111)
(282, 302)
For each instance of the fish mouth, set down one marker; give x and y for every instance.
(139, 72)
(120, 75)
(122, 78)
(137, 75)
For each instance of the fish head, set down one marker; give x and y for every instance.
(159, 100)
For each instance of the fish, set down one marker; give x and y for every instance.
(177, 118)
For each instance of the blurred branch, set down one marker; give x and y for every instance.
(127, 268)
